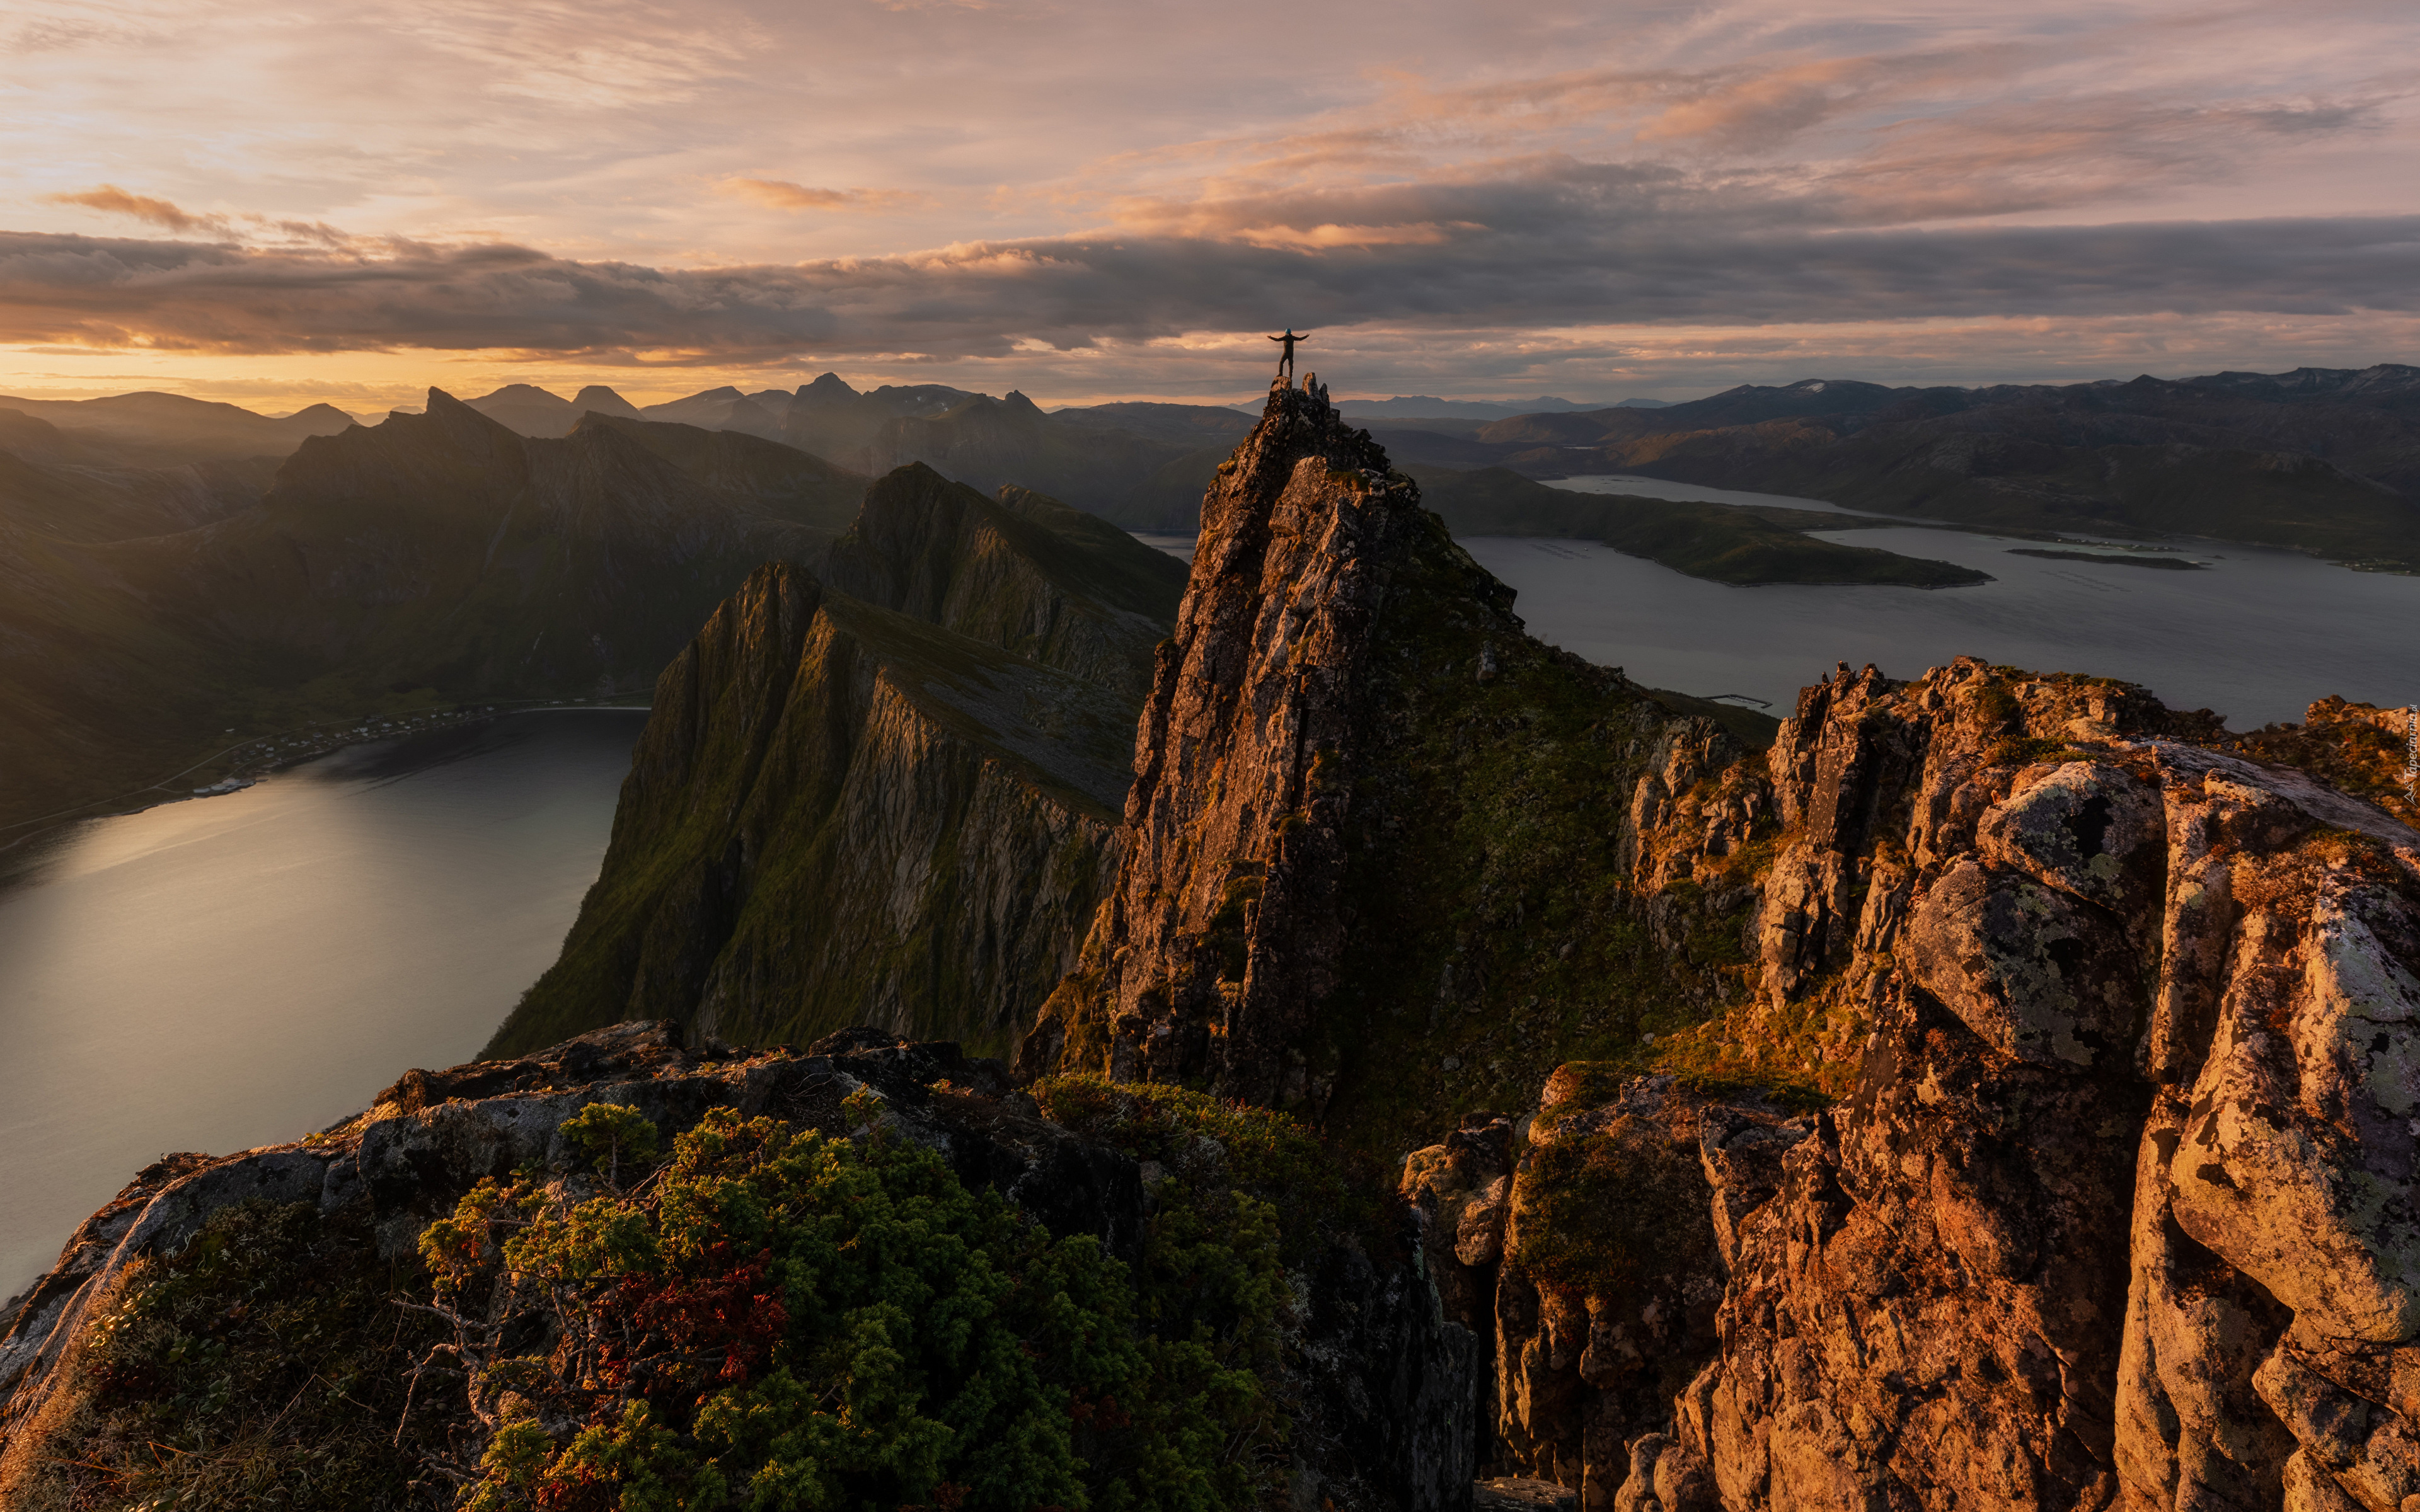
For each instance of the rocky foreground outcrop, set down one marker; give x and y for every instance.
(2121, 1210)
(1375, 1385)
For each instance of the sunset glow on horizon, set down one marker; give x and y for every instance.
(278, 206)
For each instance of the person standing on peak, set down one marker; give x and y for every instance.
(1285, 364)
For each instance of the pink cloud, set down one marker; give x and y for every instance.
(782, 195)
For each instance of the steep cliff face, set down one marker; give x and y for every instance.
(894, 810)
(2119, 1209)
(1387, 856)
(837, 814)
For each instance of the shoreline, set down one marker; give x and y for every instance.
(246, 763)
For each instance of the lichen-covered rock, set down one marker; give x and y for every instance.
(2297, 1163)
(2038, 974)
(2088, 828)
(2133, 1109)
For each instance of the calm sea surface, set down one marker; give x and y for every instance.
(240, 970)
(2255, 635)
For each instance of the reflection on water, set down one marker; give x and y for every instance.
(239, 970)
(2256, 635)
(1617, 483)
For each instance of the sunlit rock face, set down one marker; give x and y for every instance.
(1375, 825)
(2121, 1211)
(1243, 765)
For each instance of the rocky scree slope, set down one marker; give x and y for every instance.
(1387, 856)
(2118, 1209)
(1342, 1386)
(885, 796)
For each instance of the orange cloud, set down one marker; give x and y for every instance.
(784, 195)
(112, 200)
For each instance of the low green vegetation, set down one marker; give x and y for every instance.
(2357, 748)
(1492, 928)
(1601, 1211)
(2162, 563)
(783, 1319)
(1725, 545)
(749, 1314)
(1780, 1059)
(263, 1366)
(1228, 1153)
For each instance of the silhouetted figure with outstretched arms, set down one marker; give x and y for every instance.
(1285, 364)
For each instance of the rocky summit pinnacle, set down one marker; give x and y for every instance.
(1226, 912)
(1357, 844)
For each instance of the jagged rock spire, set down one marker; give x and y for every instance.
(1224, 933)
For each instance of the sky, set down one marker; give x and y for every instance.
(276, 203)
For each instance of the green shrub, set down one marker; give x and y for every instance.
(1263, 1154)
(783, 1319)
(1245, 1194)
(610, 1134)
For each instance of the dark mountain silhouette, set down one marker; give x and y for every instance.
(55, 484)
(1132, 479)
(1429, 407)
(604, 401)
(2320, 460)
(725, 408)
(430, 559)
(1188, 425)
(152, 429)
(832, 418)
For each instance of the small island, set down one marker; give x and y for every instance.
(2157, 563)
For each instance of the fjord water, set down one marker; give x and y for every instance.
(236, 971)
(2256, 635)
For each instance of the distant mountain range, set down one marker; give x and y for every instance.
(2325, 460)
(429, 561)
(1424, 405)
(170, 430)
(170, 568)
